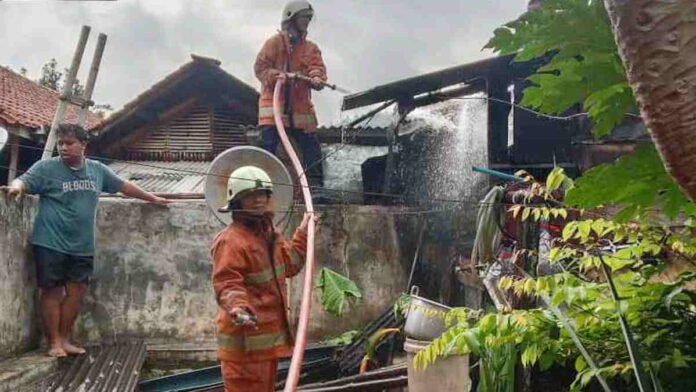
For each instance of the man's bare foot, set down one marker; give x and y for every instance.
(71, 349)
(56, 352)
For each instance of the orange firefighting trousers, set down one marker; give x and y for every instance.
(258, 376)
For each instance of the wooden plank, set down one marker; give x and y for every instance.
(179, 110)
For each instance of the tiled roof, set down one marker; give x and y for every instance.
(164, 177)
(25, 103)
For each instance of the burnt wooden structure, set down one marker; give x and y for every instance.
(533, 142)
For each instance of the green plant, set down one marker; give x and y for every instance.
(342, 339)
(335, 289)
(660, 314)
(584, 68)
(499, 341)
(638, 182)
(643, 311)
(630, 254)
(401, 305)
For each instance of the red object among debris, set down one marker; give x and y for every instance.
(25, 103)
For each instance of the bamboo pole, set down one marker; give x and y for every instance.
(92, 78)
(66, 93)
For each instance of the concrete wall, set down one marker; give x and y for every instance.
(18, 315)
(152, 270)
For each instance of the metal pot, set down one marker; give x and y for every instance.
(425, 319)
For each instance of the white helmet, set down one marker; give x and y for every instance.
(244, 180)
(293, 7)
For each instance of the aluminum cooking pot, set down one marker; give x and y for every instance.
(425, 319)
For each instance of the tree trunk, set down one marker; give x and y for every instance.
(657, 42)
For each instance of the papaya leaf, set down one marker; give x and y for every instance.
(583, 65)
(335, 290)
(635, 181)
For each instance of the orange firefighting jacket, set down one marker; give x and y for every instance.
(277, 55)
(245, 276)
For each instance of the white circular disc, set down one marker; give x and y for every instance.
(231, 159)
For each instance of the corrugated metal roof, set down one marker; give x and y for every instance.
(114, 368)
(164, 177)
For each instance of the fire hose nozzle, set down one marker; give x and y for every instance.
(292, 75)
(244, 318)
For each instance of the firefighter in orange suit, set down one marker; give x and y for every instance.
(251, 261)
(289, 51)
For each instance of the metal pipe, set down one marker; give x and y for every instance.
(387, 372)
(370, 385)
(496, 173)
(301, 336)
(326, 84)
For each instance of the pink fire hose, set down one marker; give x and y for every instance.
(301, 337)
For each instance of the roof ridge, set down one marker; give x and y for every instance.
(205, 59)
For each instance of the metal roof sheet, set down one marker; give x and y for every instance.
(164, 177)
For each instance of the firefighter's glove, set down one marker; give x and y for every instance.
(317, 83)
(243, 317)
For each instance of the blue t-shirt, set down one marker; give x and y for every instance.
(68, 203)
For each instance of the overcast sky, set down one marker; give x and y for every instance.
(364, 42)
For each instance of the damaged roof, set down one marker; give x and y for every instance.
(411, 87)
(27, 104)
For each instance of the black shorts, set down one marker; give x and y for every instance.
(54, 269)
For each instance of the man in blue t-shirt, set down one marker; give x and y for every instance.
(63, 239)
